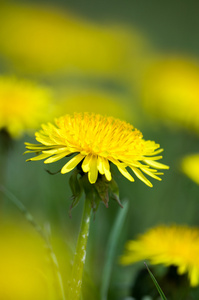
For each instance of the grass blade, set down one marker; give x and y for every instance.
(162, 295)
(110, 253)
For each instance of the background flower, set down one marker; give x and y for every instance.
(49, 40)
(190, 166)
(171, 91)
(24, 105)
(174, 245)
(24, 264)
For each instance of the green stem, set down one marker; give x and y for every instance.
(80, 254)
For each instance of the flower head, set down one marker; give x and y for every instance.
(171, 92)
(48, 40)
(174, 245)
(23, 105)
(97, 141)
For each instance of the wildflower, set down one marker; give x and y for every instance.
(23, 105)
(172, 245)
(26, 268)
(190, 166)
(96, 142)
(47, 41)
(171, 92)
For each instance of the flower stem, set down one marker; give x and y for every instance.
(80, 254)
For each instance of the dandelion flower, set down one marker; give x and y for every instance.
(172, 245)
(48, 40)
(25, 269)
(23, 105)
(96, 141)
(171, 92)
(190, 166)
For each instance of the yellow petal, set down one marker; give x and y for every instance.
(139, 174)
(86, 163)
(56, 150)
(125, 173)
(31, 151)
(93, 172)
(100, 165)
(71, 164)
(56, 157)
(153, 157)
(134, 163)
(148, 172)
(37, 147)
(34, 145)
(194, 276)
(44, 139)
(39, 157)
(107, 169)
(155, 164)
(56, 139)
(156, 152)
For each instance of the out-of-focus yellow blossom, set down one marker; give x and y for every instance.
(44, 39)
(167, 245)
(190, 166)
(24, 105)
(96, 142)
(92, 101)
(171, 91)
(25, 269)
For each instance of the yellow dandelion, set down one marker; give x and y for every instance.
(171, 91)
(23, 105)
(190, 166)
(48, 40)
(167, 245)
(24, 267)
(96, 142)
(26, 263)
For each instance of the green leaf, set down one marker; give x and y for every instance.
(162, 295)
(110, 252)
(76, 189)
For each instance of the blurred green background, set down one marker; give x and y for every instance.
(136, 60)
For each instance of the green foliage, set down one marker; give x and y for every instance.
(163, 297)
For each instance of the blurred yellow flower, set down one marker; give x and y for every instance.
(97, 141)
(25, 270)
(171, 91)
(190, 166)
(24, 105)
(45, 40)
(167, 245)
(92, 101)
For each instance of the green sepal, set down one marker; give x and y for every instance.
(100, 191)
(102, 188)
(90, 192)
(53, 173)
(114, 192)
(76, 188)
